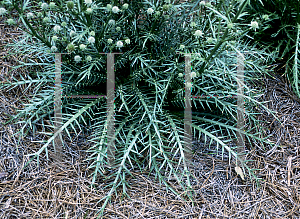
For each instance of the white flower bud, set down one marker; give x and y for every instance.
(72, 33)
(89, 10)
(57, 28)
(180, 75)
(82, 46)
(44, 6)
(254, 25)
(202, 3)
(52, 5)
(88, 2)
(119, 44)
(109, 7)
(54, 38)
(125, 6)
(110, 41)
(265, 17)
(111, 22)
(88, 58)
(11, 21)
(77, 58)
(92, 33)
(193, 24)
(2, 11)
(230, 25)
(127, 41)
(30, 15)
(198, 33)
(46, 19)
(150, 11)
(193, 74)
(181, 47)
(115, 9)
(188, 84)
(53, 48)
(91, 39)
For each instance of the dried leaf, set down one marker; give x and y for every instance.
(239, 171)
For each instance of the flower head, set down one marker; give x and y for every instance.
(230, 25)
(115, 9)
(150, 11)
(46, 19)
(89, 10)
(110, 41)
(125, 6)
(54, 38)
(91, 39)
(198, 33)
(118, 29)
(44, 6)
(127, 41)
(30, 15)
(193, 24)
(72, 33)
(109, 7)
(254, 25)
(119, 44)
(53, 48)
(181, 47)
(157, 13)
(2, 11)
(88, 2)
(111, 22)
(71, 47)
(52, 5)
(193, 74)
(11, 21)
(265, 17)
(92, 33)
(63, 24)
(70, 5)
(89, 58)
(210, 40)
(180, 75)
(57, 28)
(202, 3)
(188, 84)
(82, 46)
(77, 58)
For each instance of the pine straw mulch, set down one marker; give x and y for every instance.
(62, 191)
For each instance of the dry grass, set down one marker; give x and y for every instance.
(63, 191)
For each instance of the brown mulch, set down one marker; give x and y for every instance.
(51, 191)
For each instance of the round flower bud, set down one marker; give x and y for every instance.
(91, 39)
(180, 75)
(110, 41)
(44, 6)
(265, 17)
(230, 25)
(165, 7)
(188, 84)
(193, 24)
(82, 46)
(127, 41)
(2, 11)
(46, 20)
(198, 33)
(115, 9)
(157, 13)
(202, 3)
(208, 4)
(210, 40)
(150, 11)
(254, 25)
(89, 58)
(118, 29)
(125, 6)
(88, 2)
(52, 5)
(181, 47)
(77, 58)
(30, 15)
(72, 33)
(119, 44)
(92, 33)
(54, 38)
(57, 28)
(111, 22)
(63, 24)
(71, 47)
(109, 7)
(53, 48)
(89, 10)
(193, 74)
(70, 5)
(10, 21)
